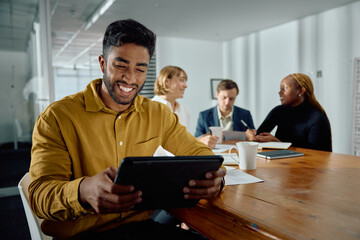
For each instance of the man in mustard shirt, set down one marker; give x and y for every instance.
(79, 141)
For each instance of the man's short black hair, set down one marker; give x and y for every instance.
(128, 31)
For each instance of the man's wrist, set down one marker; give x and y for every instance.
(84, 204)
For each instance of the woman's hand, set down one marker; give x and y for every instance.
(266, 137)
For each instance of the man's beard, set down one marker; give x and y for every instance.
(111, 91)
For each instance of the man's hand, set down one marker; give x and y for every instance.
(209, 140)
(250, 134)
(208, 188)
(266, 137)
(105, 196)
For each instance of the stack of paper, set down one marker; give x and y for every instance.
(235, 176)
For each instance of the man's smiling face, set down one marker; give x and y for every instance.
(125, 71)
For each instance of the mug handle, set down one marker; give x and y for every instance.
(230, 154)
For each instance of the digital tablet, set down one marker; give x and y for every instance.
(162, 179)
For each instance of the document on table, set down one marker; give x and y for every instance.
(234, 135)
(222, 148)
(235, 176)
(219, 148)
(274, 145)
(229, 158)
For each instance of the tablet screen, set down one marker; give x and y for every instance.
(162, 179)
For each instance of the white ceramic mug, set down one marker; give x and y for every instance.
(247, 155)
(217, 131)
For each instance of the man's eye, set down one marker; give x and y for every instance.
(140, 70)
(119, 66)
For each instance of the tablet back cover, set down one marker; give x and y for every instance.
(162, 179)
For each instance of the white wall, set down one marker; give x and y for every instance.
(326, 42)
(201, 60)
(14, 74)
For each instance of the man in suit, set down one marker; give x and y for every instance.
(225, 114)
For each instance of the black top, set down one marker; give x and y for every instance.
(304, 126)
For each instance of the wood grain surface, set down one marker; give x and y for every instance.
(315, 196)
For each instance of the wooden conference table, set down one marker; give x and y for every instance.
(316, 196)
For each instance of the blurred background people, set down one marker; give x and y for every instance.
(300, 119)
(169, 86)
(225, 114)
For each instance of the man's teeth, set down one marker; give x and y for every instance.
(125, 89)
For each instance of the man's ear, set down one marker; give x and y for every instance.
(102, 63)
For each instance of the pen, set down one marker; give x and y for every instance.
(210, 131)
(244, 123)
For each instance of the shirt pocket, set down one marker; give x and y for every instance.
(145, 147)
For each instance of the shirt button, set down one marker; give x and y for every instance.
(121, 143)
(119, 117)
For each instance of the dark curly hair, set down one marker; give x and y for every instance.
(128, 31)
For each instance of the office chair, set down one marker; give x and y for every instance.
(33, 221)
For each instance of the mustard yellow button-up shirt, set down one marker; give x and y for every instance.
(79, 136)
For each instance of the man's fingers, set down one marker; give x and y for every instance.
(204, 183)
(119, 199)
(108, 203)
(208, 188)
(199, 193)
(215, 174)
(111, 172)
(105, 196)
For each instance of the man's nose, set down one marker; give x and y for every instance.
(129, 76)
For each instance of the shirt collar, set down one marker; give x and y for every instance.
(93, 102)
(229, 115)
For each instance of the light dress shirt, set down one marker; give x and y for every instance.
(226, 122)
(180, 110)
(79, 136)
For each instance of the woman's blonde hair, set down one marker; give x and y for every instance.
(167, 72)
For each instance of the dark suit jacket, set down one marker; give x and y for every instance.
(210, 118)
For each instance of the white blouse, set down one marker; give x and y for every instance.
(182, 112)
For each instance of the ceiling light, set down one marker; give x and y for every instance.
(100, 11)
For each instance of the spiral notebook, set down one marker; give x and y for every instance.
(279, 154)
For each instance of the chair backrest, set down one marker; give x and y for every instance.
(33, 221)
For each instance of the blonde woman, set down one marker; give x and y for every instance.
(300, 119)
(169, 86)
